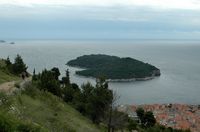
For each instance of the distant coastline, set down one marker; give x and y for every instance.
(131, 79)
(121, 80)
(115, 80)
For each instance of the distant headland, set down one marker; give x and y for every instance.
(3, 41)
(114, 68)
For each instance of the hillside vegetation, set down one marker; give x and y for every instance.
(34, 110)
(43, 112)
(5, 74)
(112, 67)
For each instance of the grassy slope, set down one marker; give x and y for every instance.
(5, 76)
(49, 112)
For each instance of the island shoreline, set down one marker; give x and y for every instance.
(114, 80)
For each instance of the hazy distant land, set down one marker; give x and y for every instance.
(5, 42)
(2, 41)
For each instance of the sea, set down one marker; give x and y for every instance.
(178, 60)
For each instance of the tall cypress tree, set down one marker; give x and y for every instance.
(34, 78)
(66, 79)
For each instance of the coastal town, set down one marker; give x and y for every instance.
(178, 116)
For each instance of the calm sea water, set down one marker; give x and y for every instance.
(179, 62)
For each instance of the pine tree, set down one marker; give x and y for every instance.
(99, 101)
(56, 72)
(8, 62)
(19, 66)
(47, 82)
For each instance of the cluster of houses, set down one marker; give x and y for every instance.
(178, 116)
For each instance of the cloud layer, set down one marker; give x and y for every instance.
(167, 4)
(154, 19)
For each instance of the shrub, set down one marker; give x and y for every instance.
(30, 89)
(17, 84)
(28, 128)
(6, 123)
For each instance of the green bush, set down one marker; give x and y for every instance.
(30, 89)
(19, 66)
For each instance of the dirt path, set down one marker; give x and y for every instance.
(7, 87)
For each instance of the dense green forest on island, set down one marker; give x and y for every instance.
(44, 102)
(113, 67)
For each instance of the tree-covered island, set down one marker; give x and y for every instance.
(114, 68)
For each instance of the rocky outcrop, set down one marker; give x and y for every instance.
(156, 73)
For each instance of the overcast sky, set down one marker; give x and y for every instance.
(99, 19)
